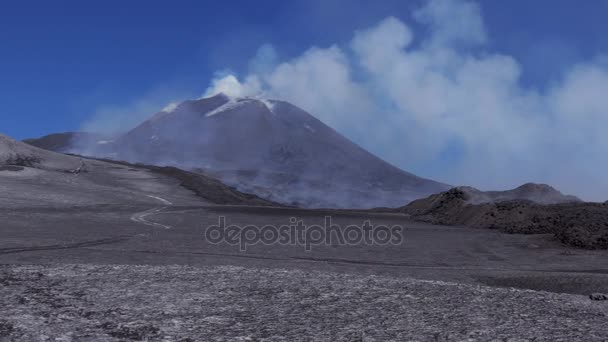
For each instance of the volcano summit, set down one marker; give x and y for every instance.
(270, 148)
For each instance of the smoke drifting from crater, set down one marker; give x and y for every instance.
(431, 96)
(443, 105)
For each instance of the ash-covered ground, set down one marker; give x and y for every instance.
(118, 252)
(179, 303)
(96, 275)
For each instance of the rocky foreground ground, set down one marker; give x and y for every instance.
(177, 303)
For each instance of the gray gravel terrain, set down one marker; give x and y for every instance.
(177, 303)
(118, 253)
(134, 281)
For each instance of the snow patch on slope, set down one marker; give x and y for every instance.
(268, 105)
(231, 104)
(170, 107)
(235, 102)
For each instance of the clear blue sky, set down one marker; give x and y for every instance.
(60, 60)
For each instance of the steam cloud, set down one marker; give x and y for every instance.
(443, 107)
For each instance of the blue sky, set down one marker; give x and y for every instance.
(487, 93)
(61, 60)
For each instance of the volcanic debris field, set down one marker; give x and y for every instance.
(94, 250)
(178, 303)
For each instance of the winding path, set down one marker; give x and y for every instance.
(141, 216)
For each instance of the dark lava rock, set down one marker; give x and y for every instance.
(137, 332)
(6, 328)
(598, 296)
(576, 224)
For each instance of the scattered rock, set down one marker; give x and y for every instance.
(137, 332)
(6, 328)
(598, 296)
(174, 303)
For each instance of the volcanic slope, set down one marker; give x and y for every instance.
(273, 149)
(31, 177)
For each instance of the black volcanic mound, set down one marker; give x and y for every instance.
(537, 193)
(528, 209)
(269, 148)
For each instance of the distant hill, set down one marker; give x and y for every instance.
(32, 173)
(17, 153)
(62, 142)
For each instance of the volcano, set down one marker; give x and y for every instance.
(272, 149)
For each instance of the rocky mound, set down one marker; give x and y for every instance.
(529, 209)
(462, 205)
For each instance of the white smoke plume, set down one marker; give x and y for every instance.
(230, 85)
(443, 106)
